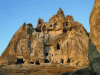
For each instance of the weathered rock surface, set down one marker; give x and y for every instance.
(62, 41)
(93, 46)
(95, 25)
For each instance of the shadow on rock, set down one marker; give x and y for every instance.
(94, 62)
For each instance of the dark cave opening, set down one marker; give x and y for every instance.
(51, 25)
(46, 54)
(62, 61)
(66, 23)
(58, 46)
(64, 30)
(37, 63)
(32, 62)
(37, 30)
(46, 61)
(68, 61)
(39, 22)
(19, 61)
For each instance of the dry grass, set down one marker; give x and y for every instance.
(39, 70)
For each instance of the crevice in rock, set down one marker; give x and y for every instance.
(58, 46)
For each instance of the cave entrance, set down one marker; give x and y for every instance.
(58, 46)
(51, 25)
(39, 22)
(46, 61)
(37, 63)
(64, 30)
(68, 61)
(32, 62)
(46, 54)
(19, 61)
(37, 30)
(62, 61)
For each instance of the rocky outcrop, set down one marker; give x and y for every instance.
(61, 41)
(93, 46)
(94, 24)
(18, 47)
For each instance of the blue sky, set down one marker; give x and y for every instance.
(13, 13)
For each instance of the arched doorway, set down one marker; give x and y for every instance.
(62, 61)
(68, 61)
(19, 61)
(37, 63)
(46, 61)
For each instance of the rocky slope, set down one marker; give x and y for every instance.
(60, 41)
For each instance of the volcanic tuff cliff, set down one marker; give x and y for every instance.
(93, 46)
(61, 40)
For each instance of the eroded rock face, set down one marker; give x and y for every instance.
(93, 46)
(95, 24)
(61, 40)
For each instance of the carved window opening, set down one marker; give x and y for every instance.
(37, 63)
(65, 24)
(32, 62)
(64, 30)
(46, 54)
(39, 22)
(62, 61)
(58, 46)
(52, 55)
(19, 61)
(51, 25)
(68, 61)
(46, 61)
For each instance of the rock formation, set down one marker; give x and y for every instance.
(61, 40)
(93, 46)
(94, 24)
